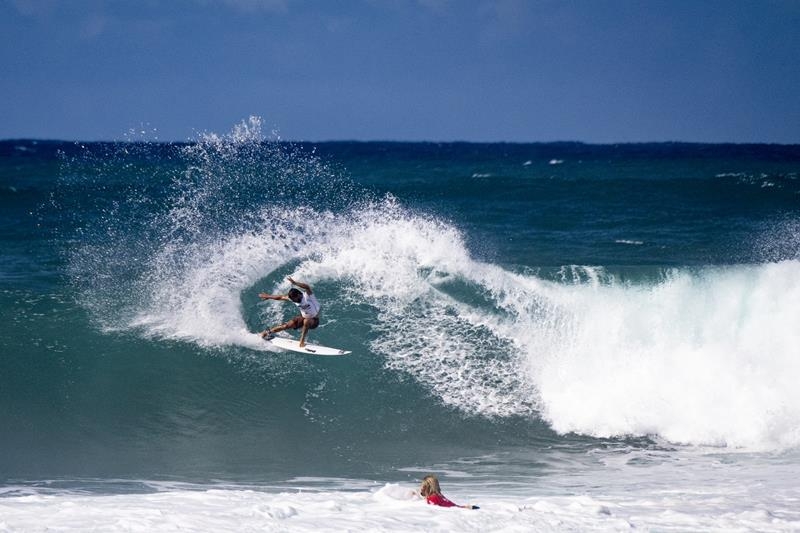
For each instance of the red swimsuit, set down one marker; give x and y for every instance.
(441, 501)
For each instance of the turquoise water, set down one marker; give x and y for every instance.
(514, 310)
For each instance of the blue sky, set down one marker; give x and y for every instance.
(440, 70)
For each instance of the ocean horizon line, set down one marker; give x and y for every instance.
(279, 140)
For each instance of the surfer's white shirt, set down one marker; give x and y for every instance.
(309, 306)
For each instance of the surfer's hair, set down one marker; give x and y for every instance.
(430, 485)
(295, 294)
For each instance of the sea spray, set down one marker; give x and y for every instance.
(165, 221)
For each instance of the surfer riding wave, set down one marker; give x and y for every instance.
(309, 310)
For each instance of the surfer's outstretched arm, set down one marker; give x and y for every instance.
(267, 296)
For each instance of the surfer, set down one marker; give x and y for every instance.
(433, 494)
(309, 310)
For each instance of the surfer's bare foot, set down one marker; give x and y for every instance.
(302, 344)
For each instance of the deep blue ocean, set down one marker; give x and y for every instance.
(517, 312)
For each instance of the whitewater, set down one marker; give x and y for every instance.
(658, 494)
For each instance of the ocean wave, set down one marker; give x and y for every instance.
(700, 357)
(703, 356)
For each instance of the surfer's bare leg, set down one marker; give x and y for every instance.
(303, 333)
(276, 329)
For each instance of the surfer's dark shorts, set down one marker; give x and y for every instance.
(297, 322)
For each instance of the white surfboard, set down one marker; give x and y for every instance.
(293, 345)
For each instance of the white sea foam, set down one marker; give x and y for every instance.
(391, 508)
(696, 497)
(700, 358)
